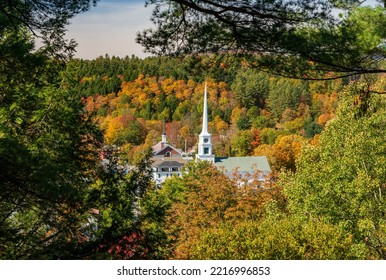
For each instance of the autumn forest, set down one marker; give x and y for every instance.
(251, 113)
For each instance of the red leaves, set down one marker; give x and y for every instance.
(131, 246)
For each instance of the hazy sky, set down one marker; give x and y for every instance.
(110, 28)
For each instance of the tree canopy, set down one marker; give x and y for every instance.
(301, 38)
(57, 201)
(342, 180)
(45, 19)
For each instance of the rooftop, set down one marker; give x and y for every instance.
(243, 164)
(170, 162)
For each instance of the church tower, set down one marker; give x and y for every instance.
(205, 139)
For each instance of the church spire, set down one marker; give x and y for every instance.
(205, 115)
(205, 139)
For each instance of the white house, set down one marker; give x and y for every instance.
(167, 161)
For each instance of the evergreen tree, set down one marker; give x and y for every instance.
(301, 38)
(56, 201)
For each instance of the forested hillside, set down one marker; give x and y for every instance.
(251, 112)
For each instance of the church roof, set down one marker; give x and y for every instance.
(243, 164)
(165, 162)
(161, 146)
(170, 163)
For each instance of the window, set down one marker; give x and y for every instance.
(164, 169)
(206, 151)
(174, 169)
(168, 154)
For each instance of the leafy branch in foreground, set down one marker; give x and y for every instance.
(302, 38)
(46, 20)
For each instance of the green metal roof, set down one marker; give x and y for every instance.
(243, 164)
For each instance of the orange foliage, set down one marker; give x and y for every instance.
(115, 125)
(315, 140)
(210, 200)
(285, 151)
(265, 113)
(328, 103)
(208, 197)
(252, 196)
(172, 130)
(324, 118)
(256, 137)
(89, 104)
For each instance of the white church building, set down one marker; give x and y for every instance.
(168, 161)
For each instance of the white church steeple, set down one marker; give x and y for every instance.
(205, 115)
(205, 139)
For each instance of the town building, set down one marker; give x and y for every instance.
(168, 161)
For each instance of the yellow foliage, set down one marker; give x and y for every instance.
(185, 131)
(113, 127)
(168, 86)
(237, 113)
(284, 152)
(219, 125)
(154, 125)
(142, 98)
